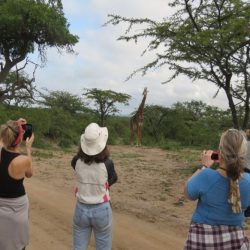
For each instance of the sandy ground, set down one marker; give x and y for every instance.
(149, 210)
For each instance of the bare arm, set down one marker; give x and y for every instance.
(29, 168)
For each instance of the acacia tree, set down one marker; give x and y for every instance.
(105, 101)
(205, 40)
(18, 89)
(63, 100)
(27, 25)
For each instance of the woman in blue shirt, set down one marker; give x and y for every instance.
(223, 195)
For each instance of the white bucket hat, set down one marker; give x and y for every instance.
(94, 139)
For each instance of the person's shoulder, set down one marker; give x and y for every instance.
(209, 172)
(22, 160)
(246, 170)
(246, 176)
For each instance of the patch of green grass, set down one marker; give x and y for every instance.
(187, 171)
(127, 156)
(188, 156)
(43, 154)
(170, 145)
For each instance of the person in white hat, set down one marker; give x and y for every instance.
(95, 173)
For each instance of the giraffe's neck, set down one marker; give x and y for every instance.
(141, 107)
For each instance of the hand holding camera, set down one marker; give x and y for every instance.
(206, 158)
(215, 156)
(28, 135)
(29, 140)
(28, 129)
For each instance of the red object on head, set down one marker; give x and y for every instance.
(20, 134)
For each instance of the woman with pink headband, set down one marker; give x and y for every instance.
(14, 203)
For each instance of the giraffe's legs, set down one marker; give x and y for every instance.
(139, 135)
(132, 136)
(132, 131)
(136, 133)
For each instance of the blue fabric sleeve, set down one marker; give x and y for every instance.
(197, 184)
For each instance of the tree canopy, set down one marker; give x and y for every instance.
(63, 101)
(27, 25)
(18, 89)
(205, 40)
(104, 102)
(188, 123)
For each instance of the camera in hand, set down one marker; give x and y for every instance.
(27, 131)
(215, 156)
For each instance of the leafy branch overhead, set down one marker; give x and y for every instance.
(205, 40)
(18, 89)
(29, 25)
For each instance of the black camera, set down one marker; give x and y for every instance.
(27, 131)
(215, 156)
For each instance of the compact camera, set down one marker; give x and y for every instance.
(28, 129)
(215, 156)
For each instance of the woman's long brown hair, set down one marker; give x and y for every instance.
(101, 157)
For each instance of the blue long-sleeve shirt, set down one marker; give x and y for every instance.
(212, 189)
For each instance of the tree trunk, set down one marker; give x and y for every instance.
(102, 120)
(233, 109)
(246, 115)
(4, 72)
(247, 89)
(9, 64)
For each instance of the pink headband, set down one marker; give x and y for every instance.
(20, 134)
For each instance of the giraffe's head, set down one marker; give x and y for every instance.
(145, 91)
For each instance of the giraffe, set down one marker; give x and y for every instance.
(136, 121)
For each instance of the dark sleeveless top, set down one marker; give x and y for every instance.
(9, 187)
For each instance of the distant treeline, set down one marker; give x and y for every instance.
(192, 124)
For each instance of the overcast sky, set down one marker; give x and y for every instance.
(103, 62)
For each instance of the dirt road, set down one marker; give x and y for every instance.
(50, 224)
(149, 210)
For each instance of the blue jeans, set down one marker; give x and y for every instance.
(97, 217)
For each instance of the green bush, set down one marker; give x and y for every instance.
(170, 145)
(119, 131)
(168, 128)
